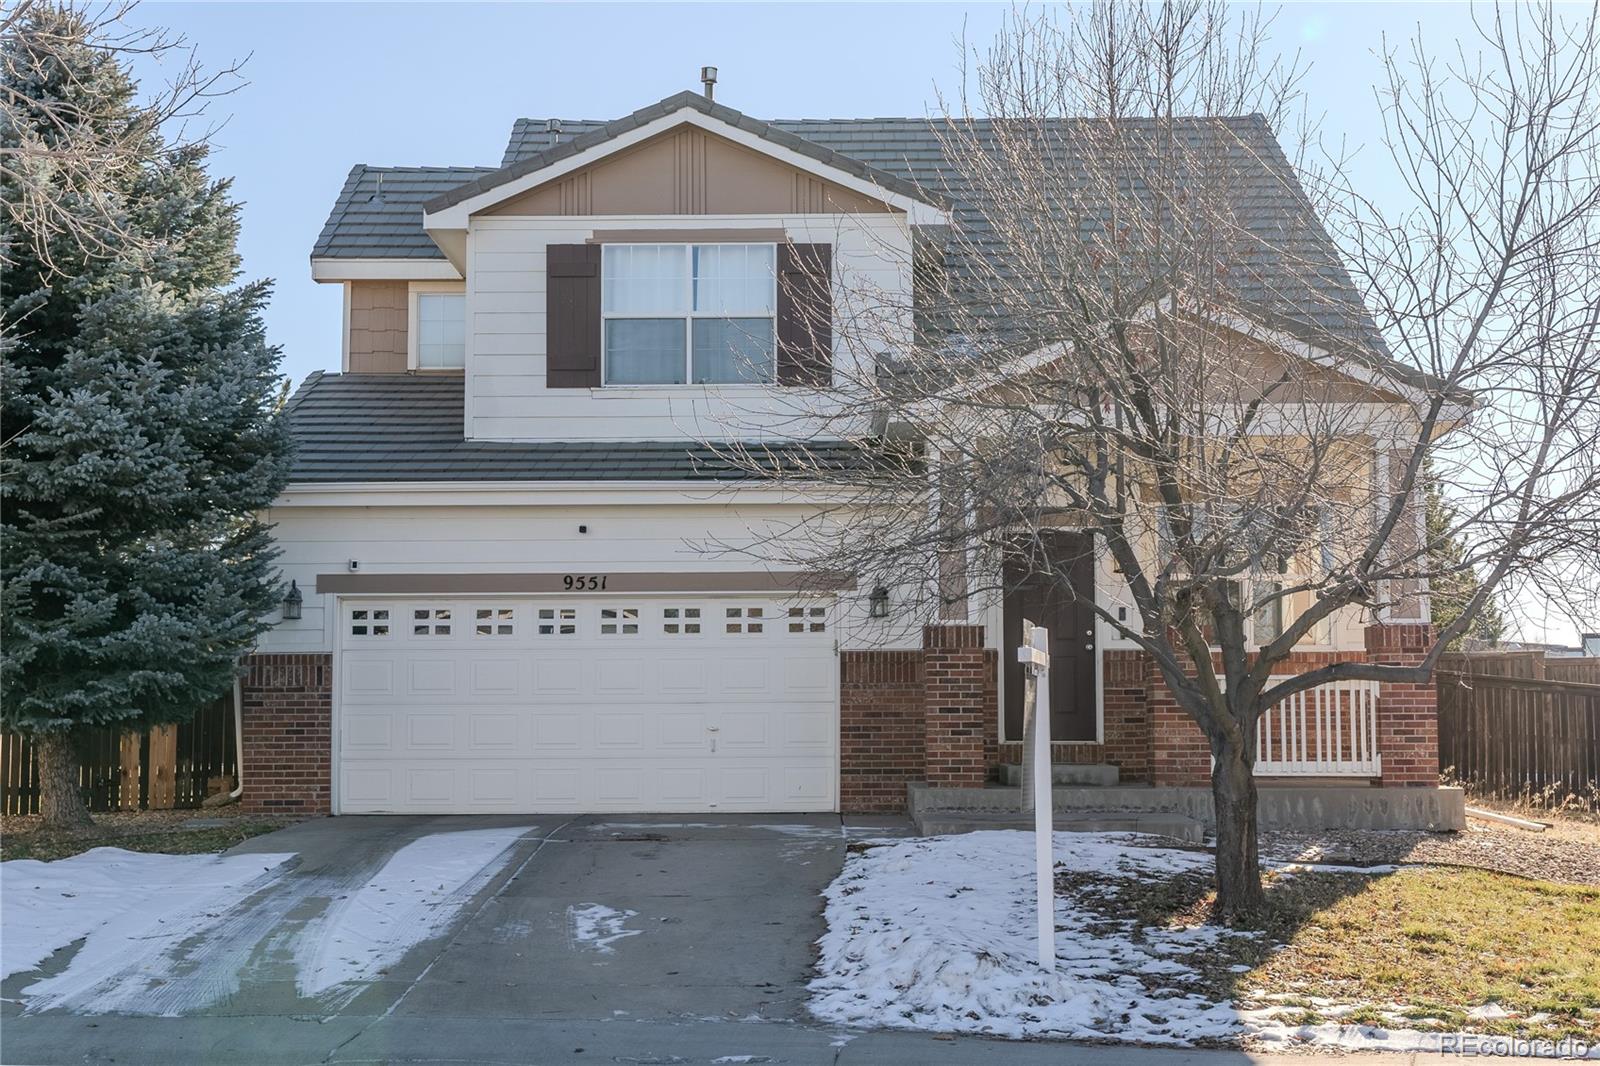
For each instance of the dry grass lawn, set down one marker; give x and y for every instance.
(174, 832)
(1423, 948)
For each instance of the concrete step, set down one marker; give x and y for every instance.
(1177, 826)
(1315, 808)
(1062, 773)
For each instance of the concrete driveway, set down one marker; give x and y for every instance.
(629, 939)
(635, 919)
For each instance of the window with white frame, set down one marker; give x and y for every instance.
(441, 330)
(702, 314)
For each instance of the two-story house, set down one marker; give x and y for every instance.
(509, 534)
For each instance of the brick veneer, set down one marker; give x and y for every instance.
(1408, 716)
(880, 728)
(958, 698)
(287, 716)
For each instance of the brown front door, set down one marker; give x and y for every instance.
(1067, 612)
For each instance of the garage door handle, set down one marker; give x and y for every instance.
(712, 729)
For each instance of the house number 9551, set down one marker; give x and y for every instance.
(584, 582)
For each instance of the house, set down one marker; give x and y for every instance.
(511, 527)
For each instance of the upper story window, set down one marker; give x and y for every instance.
(678, 314)
(441, 330)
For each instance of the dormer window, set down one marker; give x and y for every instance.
(441, 325)
(676, 314)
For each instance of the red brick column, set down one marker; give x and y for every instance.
(880, 728)
(960, 684)
(1126, 698)
(1180, 755)
(287, 715)
(1408, 714)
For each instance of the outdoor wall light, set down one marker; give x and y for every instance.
(291, 603)
(878, 603)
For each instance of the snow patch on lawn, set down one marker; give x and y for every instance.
(938, 934)
(133, 912)
(600, 926)
(411, 899)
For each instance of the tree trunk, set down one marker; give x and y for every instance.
(60, 802)
(1233, 790)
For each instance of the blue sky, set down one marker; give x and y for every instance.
(331, 85)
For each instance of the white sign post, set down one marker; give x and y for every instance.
(1035, 655)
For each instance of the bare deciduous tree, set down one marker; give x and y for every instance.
(66, 150)
(1237, 374)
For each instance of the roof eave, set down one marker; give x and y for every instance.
(450, 210)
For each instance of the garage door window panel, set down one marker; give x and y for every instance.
(680, 621)
(744, 620)
(369, 622)
(494, 621)
(431, 622)
(619, 621)
(557, 622)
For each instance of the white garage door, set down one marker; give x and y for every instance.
(666, 704)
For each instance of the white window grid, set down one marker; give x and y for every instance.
(431, 621)
(744, 620)
(494, 621)
(689, 314)
(619, 621)
(680, 621)
(557, 622)
(369, 622)
(808, 619)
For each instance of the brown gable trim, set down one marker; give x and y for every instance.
(688, 236)
(522, 584)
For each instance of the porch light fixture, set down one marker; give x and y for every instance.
(878, 603)
(291, 603)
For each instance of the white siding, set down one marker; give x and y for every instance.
(506, 394)
(532, 539)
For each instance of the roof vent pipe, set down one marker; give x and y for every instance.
(552, 125)
(708, 78)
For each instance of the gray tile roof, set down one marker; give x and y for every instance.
(1290, 275)
(408, 427)
(378, 214)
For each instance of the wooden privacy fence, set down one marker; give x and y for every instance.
(167, 767)
(1520, 736)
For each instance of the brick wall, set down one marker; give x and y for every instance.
(880, 728)
(288, 733)
(957, 696)
(1408, 718)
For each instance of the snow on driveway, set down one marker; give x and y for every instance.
(170, 934)
(413, 898)
(113, 898)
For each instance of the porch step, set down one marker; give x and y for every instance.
(1065, 773)
(1177, 826)
(1299, 807)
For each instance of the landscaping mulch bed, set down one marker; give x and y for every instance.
(1568, 852)
(182, 832)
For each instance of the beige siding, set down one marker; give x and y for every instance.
(377, 327)
(688, 172)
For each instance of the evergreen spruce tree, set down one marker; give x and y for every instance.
(140, 438)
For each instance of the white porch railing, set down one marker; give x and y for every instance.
(1327, 731)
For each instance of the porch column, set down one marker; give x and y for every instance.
(959, 698)
(1408, 719)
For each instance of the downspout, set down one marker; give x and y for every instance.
(238, 737)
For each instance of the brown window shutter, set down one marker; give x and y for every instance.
(805, 314)
(572, 316)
